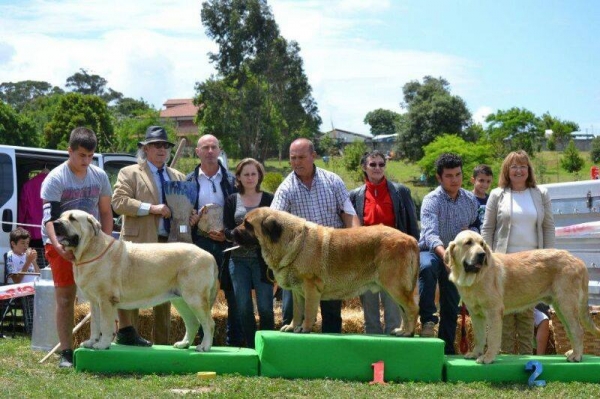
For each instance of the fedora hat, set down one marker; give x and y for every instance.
(155, 134)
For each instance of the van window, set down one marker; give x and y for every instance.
(6, 179)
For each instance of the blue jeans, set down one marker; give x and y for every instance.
(245, 274)
(234, 334)
(391, 312)
(331, 313)
(432, 271)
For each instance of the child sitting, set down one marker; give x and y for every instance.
(21, 258)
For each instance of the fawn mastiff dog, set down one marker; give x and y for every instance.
(116, 274)
(322, 263)
(493, 284)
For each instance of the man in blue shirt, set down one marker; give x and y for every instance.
(445, 212)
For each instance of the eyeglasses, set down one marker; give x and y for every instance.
(518, 167)
(161, 144)
(375, 164)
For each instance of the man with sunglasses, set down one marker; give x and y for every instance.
(214, 184)
(380, 201)
(138, 197)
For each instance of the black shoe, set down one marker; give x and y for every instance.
(66, 358)
(128, 336)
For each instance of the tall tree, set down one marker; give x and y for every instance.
(382, 121)
(40, 111)
(514, 129)
(571, 161)
(19, 94)
(129, 131)
(76, 110)
(85, 83)
(267, 73)
(16, 129)
(432, 111)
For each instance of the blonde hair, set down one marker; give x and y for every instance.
(516, 157)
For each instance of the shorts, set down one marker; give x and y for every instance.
(62, 269)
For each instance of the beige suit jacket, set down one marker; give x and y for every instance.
(135, 185)
(496, 224)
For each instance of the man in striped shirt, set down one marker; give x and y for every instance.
(445, 212)
(321, 197)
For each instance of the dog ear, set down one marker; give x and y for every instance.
(272, 228)
(488, 254)
(449, 254)
(95, 224)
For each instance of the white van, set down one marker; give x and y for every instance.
(18, 165)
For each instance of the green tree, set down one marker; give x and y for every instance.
(16, 129)
(432, 111)
(19, 94)
(40, 111)
(76, 110)
(130, 131)
(353, 153)
(561, 131)
(130, 107)
(595, 151)
(85, 83)
(514, 129)
(471, 153)
(571, 161)
(260, 82)
(382, 121)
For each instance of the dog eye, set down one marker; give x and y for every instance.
(247, 225)
(468, 242)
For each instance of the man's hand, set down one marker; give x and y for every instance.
(67, 255)
(194, 218)
(217, 235)
(162, 210)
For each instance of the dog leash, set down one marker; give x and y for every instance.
(97, 257)
(464, 343)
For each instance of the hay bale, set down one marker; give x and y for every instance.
(352, 323)
(591, 345)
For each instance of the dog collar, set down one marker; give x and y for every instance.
(97, 257)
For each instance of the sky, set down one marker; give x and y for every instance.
(542, 55)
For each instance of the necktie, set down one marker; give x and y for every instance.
(167, 221)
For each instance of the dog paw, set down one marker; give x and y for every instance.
(402, 333)
(572, 357)
(181, 345)
(88, 344)
(472, 355)
(101, 345)
(287, 328)
(485, 359)
(203, 348)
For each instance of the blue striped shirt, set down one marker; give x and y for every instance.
(442, 218)
(321, 204)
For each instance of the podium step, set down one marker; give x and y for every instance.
(162, 359)
(511, 368)
(349, 356)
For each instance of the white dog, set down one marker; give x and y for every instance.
(122, 275)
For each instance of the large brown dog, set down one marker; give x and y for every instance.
(493, 284)
(322, 263)
(122, 275)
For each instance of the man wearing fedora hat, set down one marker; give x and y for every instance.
(138, 197)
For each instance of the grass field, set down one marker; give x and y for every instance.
(21, 376)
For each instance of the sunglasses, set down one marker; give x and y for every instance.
(375, 164)
(161, 145)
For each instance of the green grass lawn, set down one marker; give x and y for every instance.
(21, 376)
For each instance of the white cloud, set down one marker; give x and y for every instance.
(481, 113)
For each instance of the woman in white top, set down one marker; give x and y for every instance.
(518, 217)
